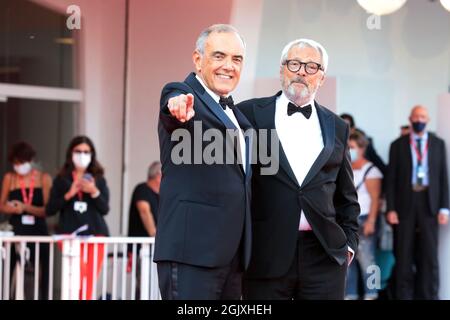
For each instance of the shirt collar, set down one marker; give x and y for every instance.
(215, 96)
(416, 136)
(285, 101)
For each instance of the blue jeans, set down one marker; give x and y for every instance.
(365, 258)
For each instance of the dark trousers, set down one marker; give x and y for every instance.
(313, 275)
(178, 281)
(416, 252)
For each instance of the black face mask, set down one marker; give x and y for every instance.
(419, 126)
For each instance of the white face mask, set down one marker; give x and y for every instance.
(23, 169)
(81, 160)
(353, 155)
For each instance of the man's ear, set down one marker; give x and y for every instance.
(197, 59)
(322, 80)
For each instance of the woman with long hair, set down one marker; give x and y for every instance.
(81, 196)
(80, 193)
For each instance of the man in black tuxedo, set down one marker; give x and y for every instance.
(417, 202)
(304, 217)
(204, 225)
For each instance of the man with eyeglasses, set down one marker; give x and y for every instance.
(304, 217)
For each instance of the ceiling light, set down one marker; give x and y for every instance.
(446, 4)
(382, 7)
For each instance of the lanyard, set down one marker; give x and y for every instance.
(27, 199)
(80, 193)
(416, 149)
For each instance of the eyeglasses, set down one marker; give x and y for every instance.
(296, 65)
(81, 151)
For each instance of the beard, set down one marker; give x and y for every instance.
(294, 94)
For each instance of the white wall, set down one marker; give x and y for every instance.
(443, 129)
(246, 16)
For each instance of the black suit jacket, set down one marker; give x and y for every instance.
(398, 187)
(327, 196)
(204, 210)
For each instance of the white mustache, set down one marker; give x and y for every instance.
(298, 80)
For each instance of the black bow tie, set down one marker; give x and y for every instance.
(306, 110)
(224, 102)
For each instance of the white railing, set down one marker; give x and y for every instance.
(90, 268)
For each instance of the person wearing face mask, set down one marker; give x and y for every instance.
(25, 192)
(371, 154)
(80, 193)
(81, 196)
(417, 202)
(367, 179)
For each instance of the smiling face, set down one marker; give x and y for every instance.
(300, 86)
(221, 63)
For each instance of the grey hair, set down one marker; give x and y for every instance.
(218, 28)
(302, 43)
(153, 170)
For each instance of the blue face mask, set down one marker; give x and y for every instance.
(419, 126)
(353, 155)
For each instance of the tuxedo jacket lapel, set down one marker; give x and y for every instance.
(327, 127)
(406, 150)
(217, 110)
(245, 125)
(432, 156)
(265, 118)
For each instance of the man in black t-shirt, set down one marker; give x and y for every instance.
(144, 204)
(144, 214)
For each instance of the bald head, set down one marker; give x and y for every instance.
(419, 118)
(419, 113)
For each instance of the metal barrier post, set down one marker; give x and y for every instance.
(145, 270)
(70, 280)
(154, 285)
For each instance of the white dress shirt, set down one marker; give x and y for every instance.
(232, 117)
(302, 142)
(424, 152)
(301, 139)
